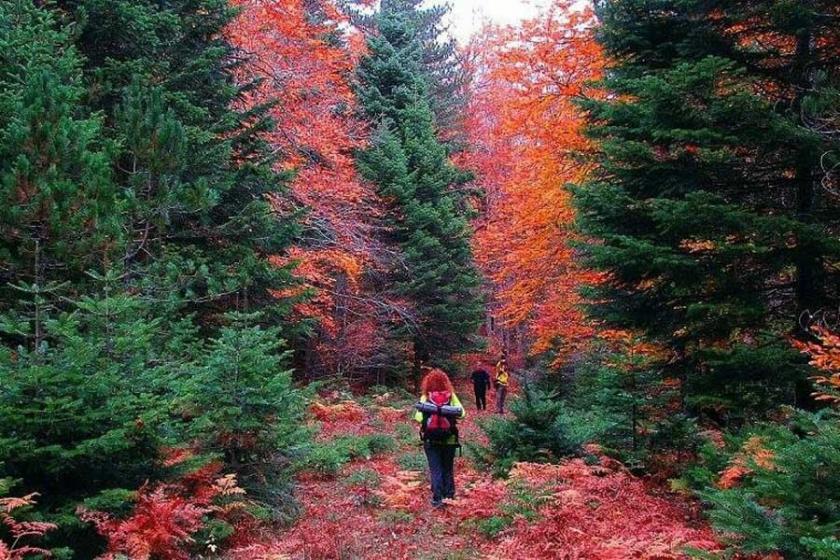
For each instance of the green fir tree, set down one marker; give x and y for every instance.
(58, 198)
(135, 217)
(412, 172)
(706, 201)
(441, 60)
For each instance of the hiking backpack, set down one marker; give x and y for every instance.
(436, 427)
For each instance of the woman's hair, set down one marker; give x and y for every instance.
(436, 380)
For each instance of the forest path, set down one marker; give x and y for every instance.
(377, 504)
(356, 514)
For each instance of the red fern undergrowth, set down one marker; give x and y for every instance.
(596, 512)
(21, 532)
(574, 510)
(166, 516)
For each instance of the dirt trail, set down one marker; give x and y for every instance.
(388, 518)
(379, 506)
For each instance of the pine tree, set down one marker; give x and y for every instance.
(55, 182)
(135, 186)
(705, 200)
(413, 174)
(196, 176)
(775, 494)
(197, 183)
(248, 411)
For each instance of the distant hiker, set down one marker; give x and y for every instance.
(501, 384)
(480, 380)
(438, 413)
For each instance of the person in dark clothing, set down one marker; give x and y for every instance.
(481, 381)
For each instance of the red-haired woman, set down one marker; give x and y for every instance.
(438, 413)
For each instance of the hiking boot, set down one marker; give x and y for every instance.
(437, 504)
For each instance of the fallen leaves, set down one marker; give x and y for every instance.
(400, 491)
(347, 411)
(597, 512)
(572, 510)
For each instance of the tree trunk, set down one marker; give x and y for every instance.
(809, 289)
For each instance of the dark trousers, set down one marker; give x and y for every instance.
(480, 396)
(501, 393)
(441, 470)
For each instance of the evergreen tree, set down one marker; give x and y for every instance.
(127, 148)
(83, 416)
(536, 431)
(55, 183)
(776, 494)
(248, 411)
(197, 180)
(195, 175)
(413, 174)
(441, 61)
(706, 196)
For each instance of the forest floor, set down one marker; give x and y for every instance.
(377, 505)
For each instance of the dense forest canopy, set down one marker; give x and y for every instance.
(237, 233)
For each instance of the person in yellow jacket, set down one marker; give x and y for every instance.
(501, 383)
(438, 412)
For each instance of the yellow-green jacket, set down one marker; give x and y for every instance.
(453, 400)
(502, 376)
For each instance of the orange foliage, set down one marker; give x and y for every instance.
(167, 515)
(390, 414)
(526, 131)
(302, 54)
(21, 532)
(825, 356)
(348, 411)
(598, 511)
(400, 490)
(753, 454)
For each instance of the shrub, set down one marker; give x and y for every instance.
(166, 517)
(778, 491)
(521, 501)
(412, 461)
(631, 411)
(407, 434)
(378, 444)
(328, 458)
(535, 432)
(247, 410)
(393, 517)
(364, 482)
(18, 537)
(395, 397)
(492, 526)
(83, 416)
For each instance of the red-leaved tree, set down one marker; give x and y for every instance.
(526, 137)
(303, 54)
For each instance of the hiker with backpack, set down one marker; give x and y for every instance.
(438, 412)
